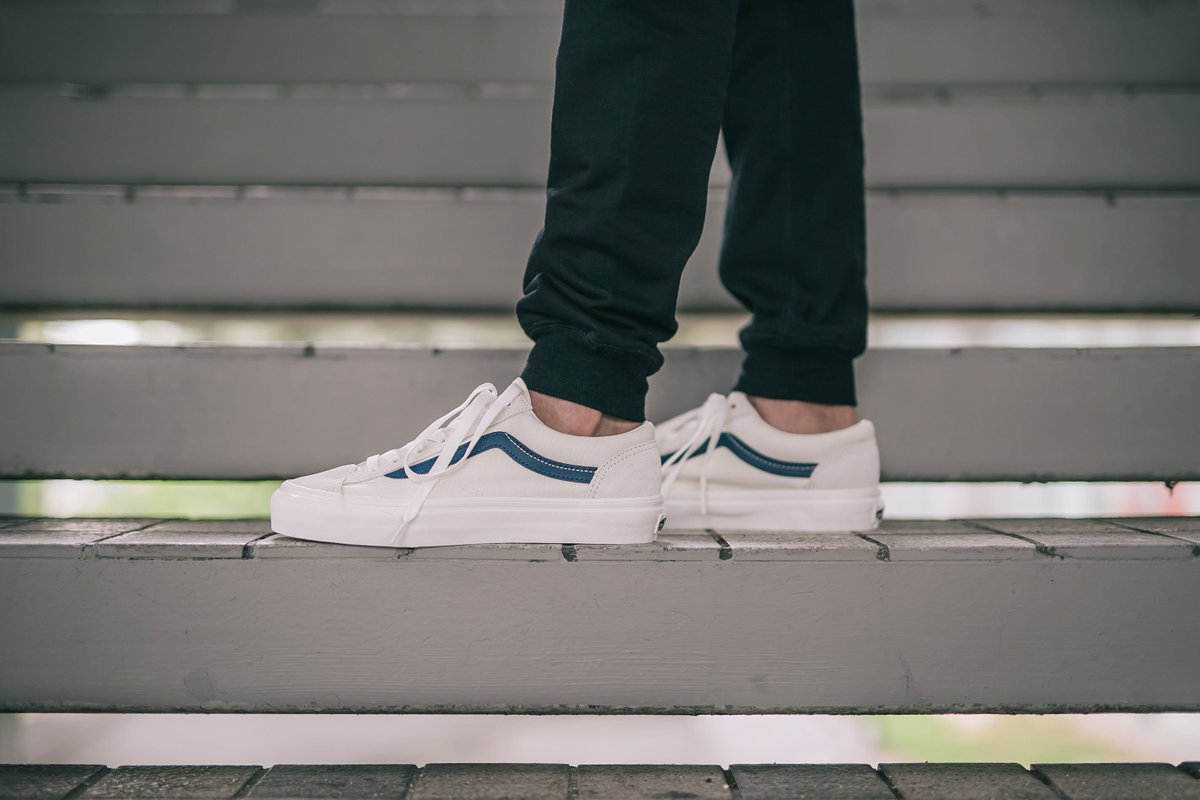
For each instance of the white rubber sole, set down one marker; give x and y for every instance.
(774, 510)
(326, 517)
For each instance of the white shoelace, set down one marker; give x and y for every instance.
(475, 414)
(708, 419)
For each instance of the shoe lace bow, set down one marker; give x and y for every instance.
(466, 422)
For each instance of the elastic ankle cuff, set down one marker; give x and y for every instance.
(814, 376)
(562, 364)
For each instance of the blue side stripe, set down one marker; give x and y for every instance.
(791, 469)
(518, 452)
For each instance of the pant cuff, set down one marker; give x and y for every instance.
(562, 364)
(811, 375)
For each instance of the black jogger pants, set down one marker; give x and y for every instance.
(643, 89)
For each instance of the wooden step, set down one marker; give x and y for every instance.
(910, 41)
(1026, 138)
(960, 414)
(924, 617)
(924, 781)
(279, 247)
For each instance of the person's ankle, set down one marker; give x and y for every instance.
(798, 416)
(565, 416)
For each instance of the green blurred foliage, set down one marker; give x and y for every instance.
(1024, 739)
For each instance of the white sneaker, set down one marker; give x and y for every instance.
(487, 472)
(724, 467)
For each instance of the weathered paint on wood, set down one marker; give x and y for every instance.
(1082, 538)
(43, 781)
(669, 546)
(905, 42)
(169, 783)
(491, 782)
(680, 630)
(650, 782)
(965, 782)
(1054, 139)
(185, 539)
(176, 412)
(952, 546)
(349, 781)
(798, 547)
(276, 546)
(1185, 528)
(1121, 781)
(809, 782)
(281, 247)
(946, 540)
(560, 782)
(62, 538)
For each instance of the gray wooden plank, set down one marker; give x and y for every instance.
(647, 781)
(925, 527)
(669, 546)
(903, 540)
(98, 527)
(192, 783)
(809, 782)
(1186, 528)
(1082, 538)
(491, 552)
(491, 782)
(966, 782)
(277, 546)
(1081, 139)
(718, 636)
(954, 546)
(357, 781)
(798, 546)
(61, 538)
(946, 540)
(186, 539)
(43, 781)
(282, 248)
(288, 47)
(1121, 781)
(908, 42)
(98, 411)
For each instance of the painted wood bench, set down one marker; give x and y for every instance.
(609, 782)
(917, 617)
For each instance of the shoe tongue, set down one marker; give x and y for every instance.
(523, 390)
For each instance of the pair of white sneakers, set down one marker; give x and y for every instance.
(490, 471)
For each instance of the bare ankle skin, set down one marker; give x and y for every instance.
(797, 416)
(575, 419)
